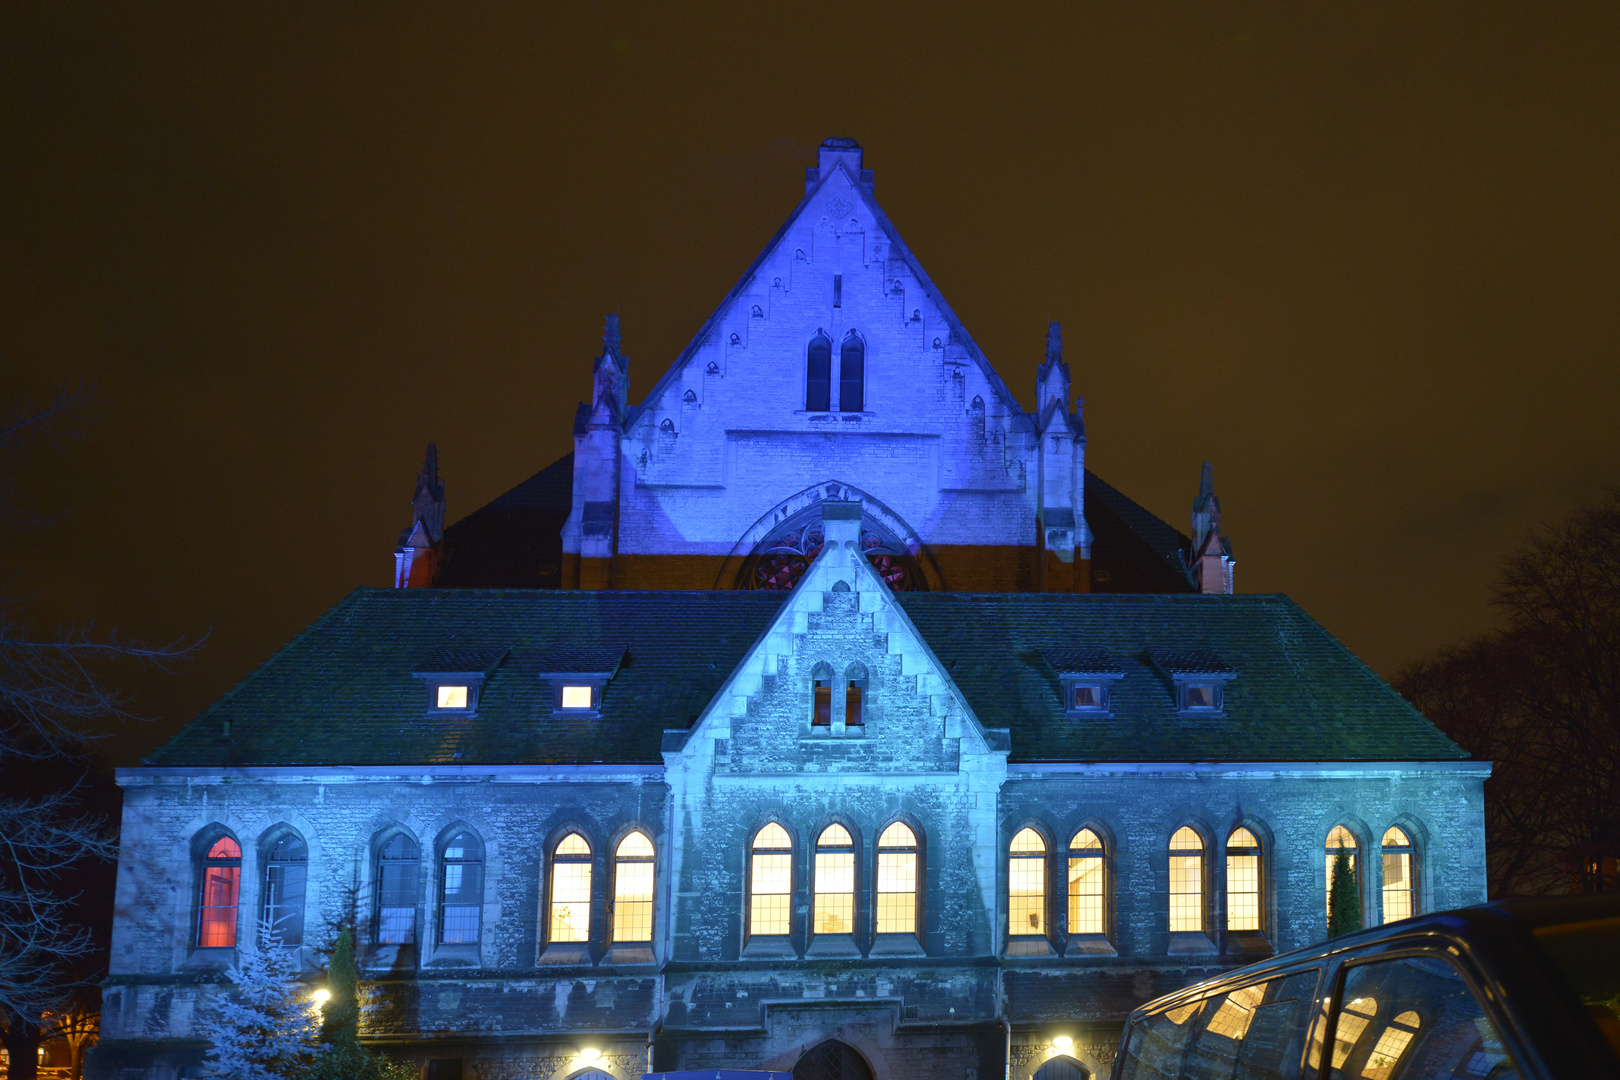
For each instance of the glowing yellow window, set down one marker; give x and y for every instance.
(835, 881)
(452, 697)
(576, 697)
(1392, 1043)
(1236, 1013)
(1026, 884)
(1186, 881)
(633, 889)
(1086, 914)
(571, 890)
(1242, 881)
(1354, 1017)
(897, 881)
(770, 882)
(1400, 891)
(1340, 837)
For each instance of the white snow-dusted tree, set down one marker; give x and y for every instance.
(264, 1026)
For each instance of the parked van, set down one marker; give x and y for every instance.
(1512, 990)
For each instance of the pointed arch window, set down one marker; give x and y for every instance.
(461, 890)
(1340, 838)
(1242, 881)
(835, 881)
(1087, 899)
(1026, 884)
(818, 375)
(897, 880)
(770, 882)
(852, 374)
(286, 870)
(571, 889)
(633, 889)
(1400, 889)
(398, 863)
(221, 888)
(855, 695)
(1186, 881)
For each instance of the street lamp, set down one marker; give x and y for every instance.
(1063, 1042)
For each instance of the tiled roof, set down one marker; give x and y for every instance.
(515, 540)
(343, 692)
(1133, 550)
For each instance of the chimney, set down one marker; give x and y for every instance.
(416, 560)
(835, 152)
(1210, 558)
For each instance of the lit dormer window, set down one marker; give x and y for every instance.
(1198, 678)
(1088, 677)
(579, 677)
(452, 697)
(455, 677)
(576, 697)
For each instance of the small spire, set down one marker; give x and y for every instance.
(1210, 558)
(610, 334)
(1054, 341)
(427, 504)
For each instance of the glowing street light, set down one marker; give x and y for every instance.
(590, 1053)
(321, 997)
(1062, 1042)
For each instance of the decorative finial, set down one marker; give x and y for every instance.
(610, 334)
(1206, 481)
(1054, 341)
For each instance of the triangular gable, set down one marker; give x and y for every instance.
(839, 575)
(835, 179)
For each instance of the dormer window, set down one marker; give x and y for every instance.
(576, 697)
(454, 678)
(1204, 696)
(1198, 678)
(1087, 678)
(452, 697)
(579, 678)
(1089, 697)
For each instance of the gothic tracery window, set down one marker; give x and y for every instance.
(1340, 838)
(397, 866)
(571, 890)
(221, 886)
(633, 889)
(897, 880)
(461, 890)
(782, 558)
(1400, 890)
(1186, 881)
(1026, 884)
(818, 375)
(1242, 881)
(770, 882)
(852, 374)
(835, 881)
(1087, 912)
(286, 870)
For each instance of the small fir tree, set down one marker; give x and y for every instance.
(341, 1055)
(1344, 897)
(263, 1027)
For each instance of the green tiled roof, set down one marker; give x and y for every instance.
(348, 691)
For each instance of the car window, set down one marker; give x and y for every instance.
(1587, 956)
(1413, 1016)
(1253, 1031)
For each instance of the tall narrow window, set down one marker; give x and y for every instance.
(770, 882)
(221, 885)
(1026, 884)
(835, 881)
(1340, 837)
(633, 889)
(571, 889)
(461, 890)
(1400, 890)
(1242, 881)
(1086, 913)
(855, 695)
(838, 290)
(852, 375)
(897, 880)
(397, 867)
(1186, 881)
(818, 375)
(285, 871)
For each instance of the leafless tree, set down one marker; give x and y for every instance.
(1541, 698)
(55, 699)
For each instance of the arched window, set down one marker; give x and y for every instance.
(1242, 881)
(1186, 881)
(835, 881)
(897, 880)
(1400, 888)
(397, 866)
(461, 890)
(286, 869)
(633, 889)
(821, 688)
(221, 886)
(852, 374)
(1026, 884)
(770, 882)
(1087, 911)
(855, 695)
(571, 889)
(1339, 838)
(818, 375)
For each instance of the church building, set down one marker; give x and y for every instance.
(821, 713)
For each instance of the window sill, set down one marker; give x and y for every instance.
(1029, 945)
(391, 957)
(209, 958)
(460, 954)
(629, 953)
(898, 945)
(769, 946)
(566, 952)
(1190, 942)
(1089, 945)
(824, 732)
(832, 945)
(1248, 943)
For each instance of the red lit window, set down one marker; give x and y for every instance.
(221, 884)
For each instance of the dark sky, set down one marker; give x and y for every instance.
(1366, 258)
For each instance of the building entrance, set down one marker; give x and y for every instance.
(832, 1060)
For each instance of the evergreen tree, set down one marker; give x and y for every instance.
(1344, 897)
(263, 1027)
(340, 1016)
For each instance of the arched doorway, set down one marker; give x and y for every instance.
(832, 1060)
(1061, 1068)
